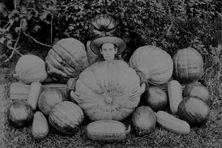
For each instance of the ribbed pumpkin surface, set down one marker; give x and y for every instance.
(108, 90)
(188, 65)
(65, 117)
(66, 59)
(154, 62)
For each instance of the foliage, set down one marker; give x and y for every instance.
(169, 24)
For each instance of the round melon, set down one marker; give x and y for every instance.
(19, 113)
(144, 120)
(188, 65)
(48, 99)
(66, 117)
(155, 63)
(194, 110)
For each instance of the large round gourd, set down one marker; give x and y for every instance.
(66, 117)
(66, 59)
(155, 63)
(30, 68)
(108, 90)
(188, 65)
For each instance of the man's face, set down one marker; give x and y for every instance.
(108, 50)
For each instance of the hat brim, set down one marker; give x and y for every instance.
(96, 43)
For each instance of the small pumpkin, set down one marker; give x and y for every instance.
(194, 110)
(66, 59)
(147, 59)
(156, 98)
(108, 90)
(188, 65)
(66, 117)
(107, 130)
(19, 113)
(48, 99)
(196, 89)
(30, 68)
(144, 120)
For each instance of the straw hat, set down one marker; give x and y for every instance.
(96, 43)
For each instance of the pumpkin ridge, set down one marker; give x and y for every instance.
(76, 67)
(53, 49)
(57, 64)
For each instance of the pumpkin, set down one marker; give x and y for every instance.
(107, 130)
(196, 89)
(66, 117)
(48, 99)
(155, 63)
(156, 98)
(40, 127)
(144, 120)
(66, 59)
(30, 68)
(194, 110)
(102, 24)
(188, 65)
(19, 113)
(108, 90)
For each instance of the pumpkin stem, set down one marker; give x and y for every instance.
(108, 99)
(142, 88)
(128, 129)
(74, 96)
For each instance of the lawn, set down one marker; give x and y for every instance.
(208, 135)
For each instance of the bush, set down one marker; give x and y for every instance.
(169, 24)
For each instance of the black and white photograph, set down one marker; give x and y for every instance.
(110, 74)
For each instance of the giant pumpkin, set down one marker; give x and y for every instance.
(66, 59)
(188, 65)
(108, 90)
(155, 63)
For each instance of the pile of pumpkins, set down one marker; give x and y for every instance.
(108, 92)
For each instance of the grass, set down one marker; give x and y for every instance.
(208, 135)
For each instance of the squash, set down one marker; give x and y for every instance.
(174, 95)
(48, 99)
(144, 120)
(40, 127)
(66, 117)
(196, 89)
(194, 110)
(19, 113)
(147, 59)
(172, 123)
(156, 98)
(66, 59)
(107, 130)
(188, 65)
(19, 91)
(108, 90)
(30, 68)
(35, 90)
